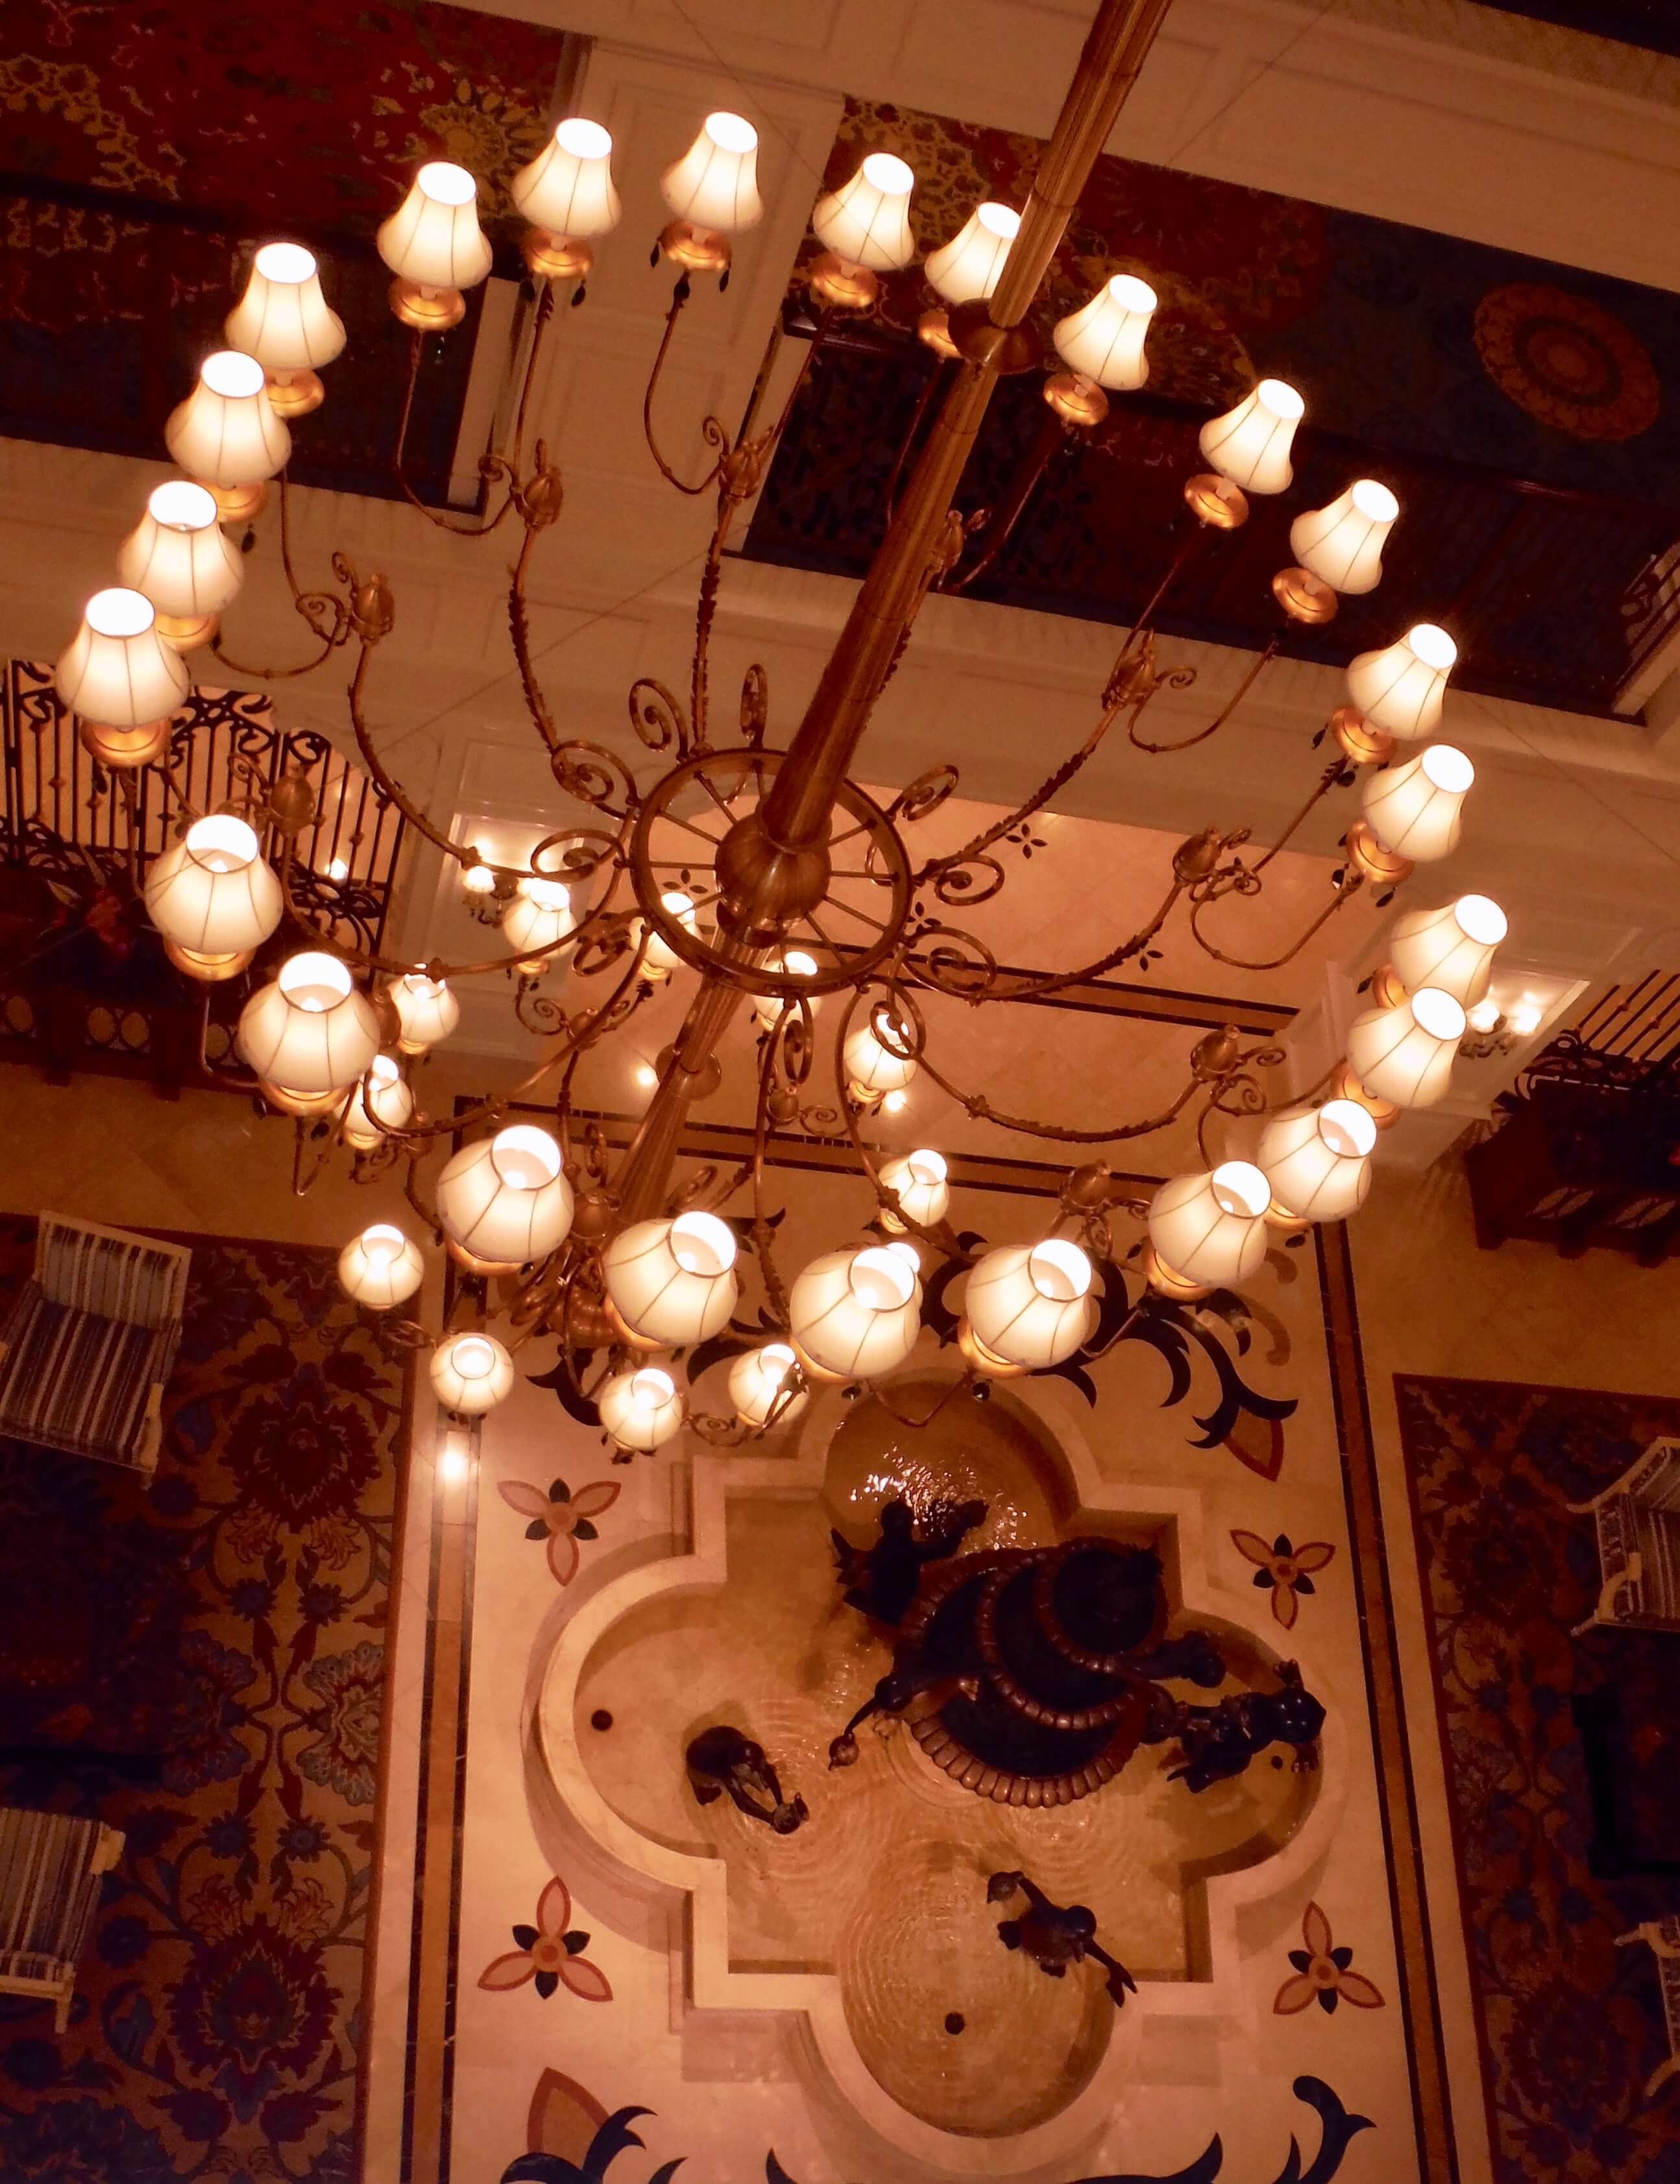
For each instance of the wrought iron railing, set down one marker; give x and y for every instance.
(1627, 1034)
(78, 988)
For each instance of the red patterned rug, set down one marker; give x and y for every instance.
(1572, 2026)
(217, 2019)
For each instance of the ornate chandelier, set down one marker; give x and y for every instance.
(760, 874)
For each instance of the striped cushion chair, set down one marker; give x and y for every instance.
(1638, 1520)
(88, 1347)
(1662, 1937)
(50, 1872)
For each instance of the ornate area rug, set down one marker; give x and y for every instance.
(1571, 2024)
(217, 2013)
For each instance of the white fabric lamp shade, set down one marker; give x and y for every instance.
(715, 183)
(1250, 444)
(213, 892)
(539, 918)
(661, 958)
(1405, 1054)
(855, 1314)
(1210, 1227)
(1451, 948)
(1402, 686)
(1103, 340)
(426, 1011)
(283, 319)
(433, 237)
(764, 1381)
(381, 1268)
(568, 187)
(310, 1029)
(470, 1373)
(671, 1282)
(382, 1103)
(179, 555)
(503, 1200)
(967, 269)
(1341, 545)
(872, 1066)
(794, 963)
(1416, 810)
(225, 432)
(918, 1181)
(867, 220)
(117, 671)
(1317, 1160)
(643, 1410)
(1030, 1305)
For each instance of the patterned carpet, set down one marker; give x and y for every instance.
(1572, 2025)
(217, 2018)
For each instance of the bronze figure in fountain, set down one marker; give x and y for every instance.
(1056, 1935)
(1040, 1670)
(725, 1760)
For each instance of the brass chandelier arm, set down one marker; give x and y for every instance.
(492, 466)
(1001, 527)
(519, 635)
(328, 615)
(1187, 742)
(1132, 682)
(1346, 888)
(712, 429)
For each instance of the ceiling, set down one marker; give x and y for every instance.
(1527, 417)
(149, 150)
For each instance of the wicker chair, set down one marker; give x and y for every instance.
(50, 1874)
(1639, 1530)
(1663, 1938)
(88, 1346)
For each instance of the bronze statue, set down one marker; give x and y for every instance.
(1056, 1935)
(726, 1758)
(916, 1668)
(882, 1580)
(1217, 1743)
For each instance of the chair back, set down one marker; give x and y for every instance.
(109, 1273)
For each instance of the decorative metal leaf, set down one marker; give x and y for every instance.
(575, 1404)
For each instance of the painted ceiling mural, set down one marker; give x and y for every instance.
(1451, 369)
(148, 148)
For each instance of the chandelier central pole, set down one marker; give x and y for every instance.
(796, 811)
(774, 862)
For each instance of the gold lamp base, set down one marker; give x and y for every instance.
(934, 327)
(238, 503)
(427, 311)
(1347, 1086)
(295, 393)
(1167, 1281)
(818, 1375)
(982, 1359)
(211, 969)
(1370, 859)
(1076, 400)
(695, 249)
(846, 288)
(310, 1104)
(1364, 745)
(123, 748)
(1282, 1223)
(186, 632)
(463, 1258)
(1388, 987)
(1216, 502)
(1304, 598)
(626, 1332)
(555, 257)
